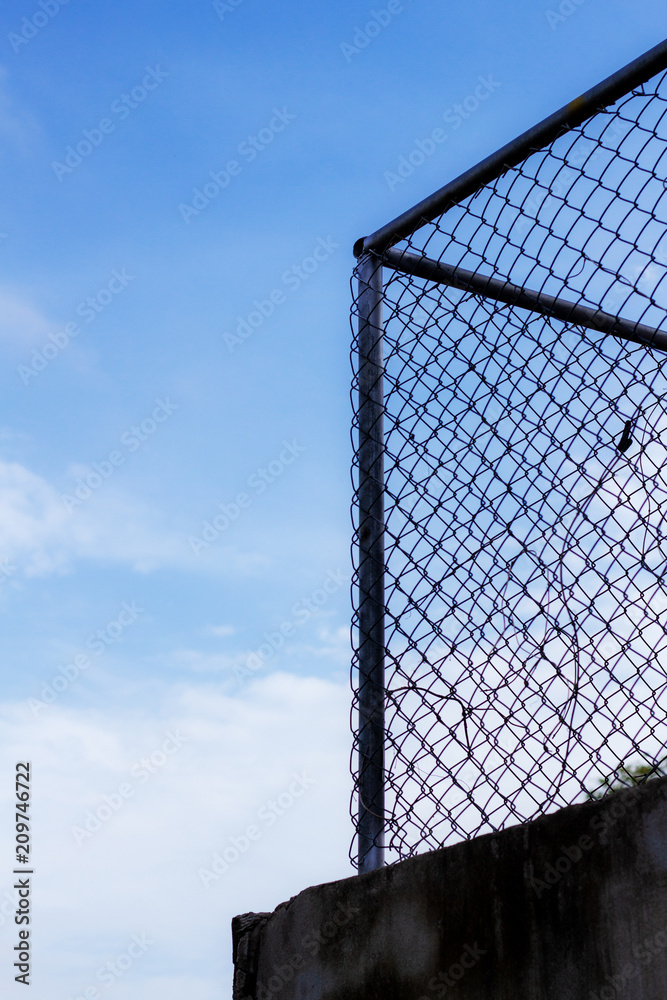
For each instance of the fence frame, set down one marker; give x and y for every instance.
(373, 252)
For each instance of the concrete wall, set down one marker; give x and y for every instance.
(572, 907)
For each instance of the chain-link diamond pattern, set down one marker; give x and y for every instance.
(525, 491)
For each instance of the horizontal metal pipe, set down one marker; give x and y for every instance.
(541, 135)
(524, 298)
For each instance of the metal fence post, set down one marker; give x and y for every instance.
(524, 366)
(371, 567)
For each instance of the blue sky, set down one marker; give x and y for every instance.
(146, 394)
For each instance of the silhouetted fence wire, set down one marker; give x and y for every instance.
(510, 472)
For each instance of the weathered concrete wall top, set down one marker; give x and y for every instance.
(570, 907)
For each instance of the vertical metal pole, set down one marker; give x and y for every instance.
(371, 567)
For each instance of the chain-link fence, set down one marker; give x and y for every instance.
(511, 480)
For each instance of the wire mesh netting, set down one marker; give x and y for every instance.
(525, 491)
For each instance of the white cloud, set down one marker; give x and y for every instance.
(40, 536)
(139, 872)
(220, 631)
(207, 663)
(18, 129)
(21, 323)
(241, 664)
